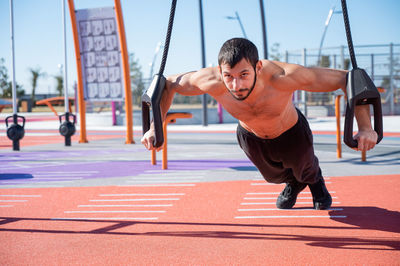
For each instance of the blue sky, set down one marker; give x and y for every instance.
(294, 24)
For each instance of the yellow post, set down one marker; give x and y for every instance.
(363, 156)
(338, 139)
(126, 71)
(81, 101)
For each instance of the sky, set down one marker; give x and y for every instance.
(293, 24)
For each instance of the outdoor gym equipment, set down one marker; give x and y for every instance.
(152, 96)
(15, 131)
(67, 128)
(360, 91)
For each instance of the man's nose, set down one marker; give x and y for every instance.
(236, 84)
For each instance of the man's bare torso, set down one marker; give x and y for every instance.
(267, 112)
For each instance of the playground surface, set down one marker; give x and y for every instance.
(103, 203)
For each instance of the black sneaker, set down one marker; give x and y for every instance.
(288, 196)
(321, 198)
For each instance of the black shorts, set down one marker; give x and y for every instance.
(287, 157)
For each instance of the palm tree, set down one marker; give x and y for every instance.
(59, 84)
(36, 74)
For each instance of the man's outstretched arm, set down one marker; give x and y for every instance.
(183, 84)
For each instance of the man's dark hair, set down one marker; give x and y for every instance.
(234, 50)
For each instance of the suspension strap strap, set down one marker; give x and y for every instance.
(153, 94)
(168, 37)
(360, 90)
(348, 34)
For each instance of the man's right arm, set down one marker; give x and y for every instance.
(185, 84)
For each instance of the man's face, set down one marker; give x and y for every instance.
(239, 80)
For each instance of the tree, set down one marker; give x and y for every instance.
(275, 53)
(36, 74)
(346, 64)
(5, 85)
(59, 84)
(325, 61)
(137, 83)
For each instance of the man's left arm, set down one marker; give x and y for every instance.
(317, 79)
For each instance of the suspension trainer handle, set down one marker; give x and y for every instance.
(360, 91)
(151, 99)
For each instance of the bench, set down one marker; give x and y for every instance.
(170, 119)
(56, 101)
(4, 103)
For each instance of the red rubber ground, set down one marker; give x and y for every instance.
(202, 227)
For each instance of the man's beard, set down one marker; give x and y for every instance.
(244, 89)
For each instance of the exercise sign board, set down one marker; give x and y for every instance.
(100, 54)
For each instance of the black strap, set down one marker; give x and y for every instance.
(348, 34)
(152, 96)
(168, 37)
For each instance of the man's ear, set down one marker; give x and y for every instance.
(219, 69)
(258, 66)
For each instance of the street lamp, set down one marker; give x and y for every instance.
(156, 52)
(240, 22)
(328, 20)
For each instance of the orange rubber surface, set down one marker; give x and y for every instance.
(201, 224)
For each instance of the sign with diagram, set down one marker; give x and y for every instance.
(100, 54)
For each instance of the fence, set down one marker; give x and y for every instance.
(382, 63)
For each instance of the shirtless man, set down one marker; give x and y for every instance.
(273, 134)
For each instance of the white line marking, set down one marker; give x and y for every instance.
(265, 184)
(33, 181)
(114, 211)
(127, 205)
(107, 218)
(22, 196)
(270, 203)
(268, 198)
(167, 177)
(159, 180)
(61, 175)
(161, 185)
(276, 209)
(13, 200)
(134, 199)
(72, 172)
(6, 206)
(271, 184)
(277, 193)
(290, 216)
(141, 194)
(56, 178)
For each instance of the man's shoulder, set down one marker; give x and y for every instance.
(208, 79)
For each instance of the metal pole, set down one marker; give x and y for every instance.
(264, 31)
(303, 93)
(391, 80)
(334, 61)
(328, 19)
(372, 67)
(156, 51)
(203, 62)
(241, 25)
(342, 55)
(14, 88)
(65, 59)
